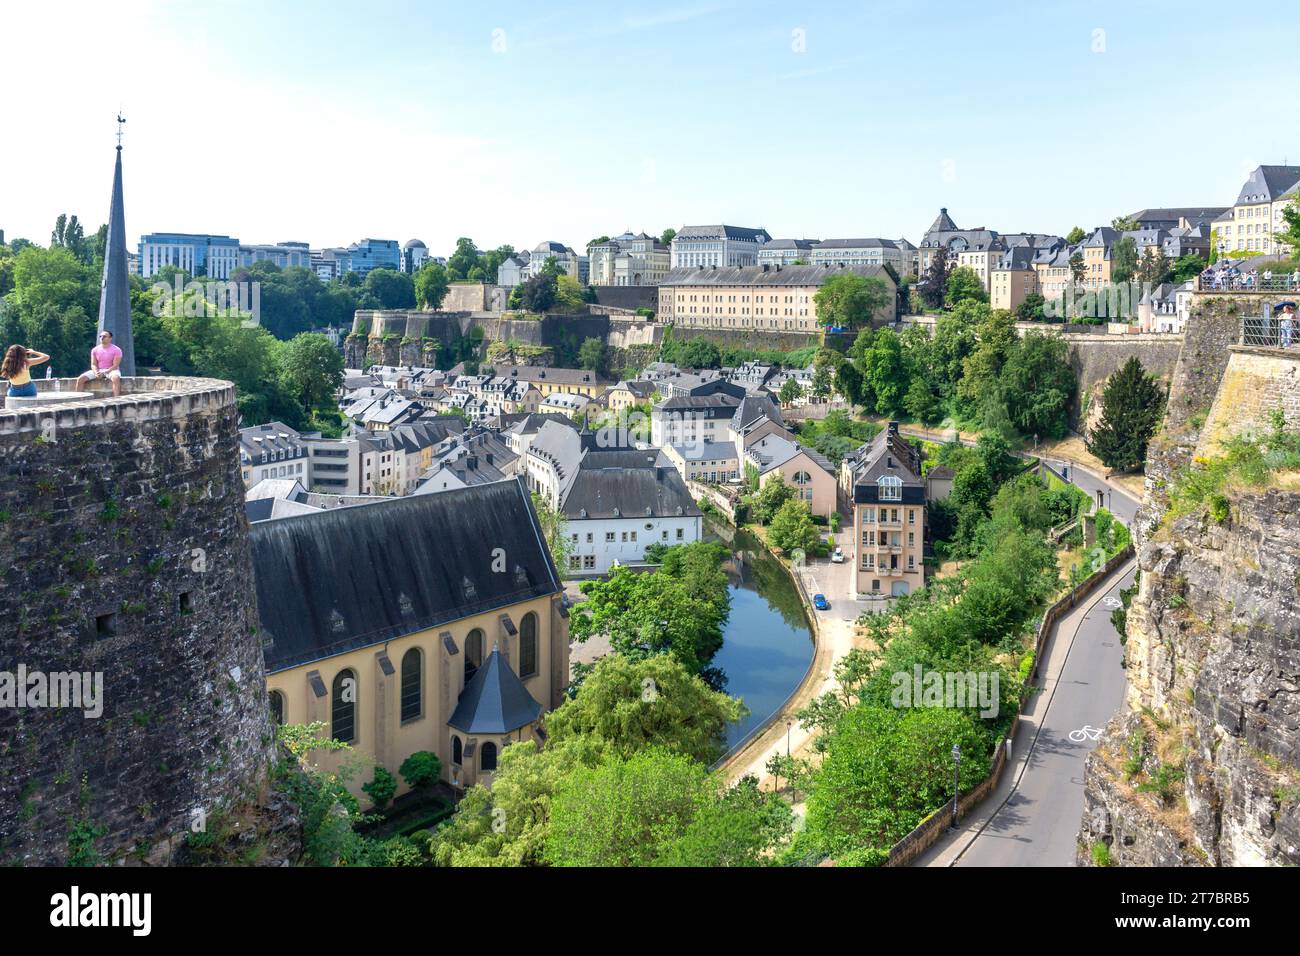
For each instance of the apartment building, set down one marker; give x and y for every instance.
(273, 450)
(786, 252)
(861, 252)
(889, 496)
(1256, 216)
(777, 298)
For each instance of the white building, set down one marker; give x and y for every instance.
(628, 260)
(703, 246)
(861, 252)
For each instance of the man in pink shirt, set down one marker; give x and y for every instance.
(104, 360)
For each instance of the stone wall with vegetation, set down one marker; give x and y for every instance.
(124, 550)
(1203, 765)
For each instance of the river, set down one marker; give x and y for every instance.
(767, 642)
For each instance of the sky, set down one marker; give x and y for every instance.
(516, 123)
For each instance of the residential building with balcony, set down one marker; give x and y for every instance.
(889, 497)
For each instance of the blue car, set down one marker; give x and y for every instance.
(820, 602)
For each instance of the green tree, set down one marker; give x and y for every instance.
(431, 285)
(381, 787)
(921, 403)
(538, 293)
(667, 237)
(1132, 404)
(387, 289)
(71, 235)
(1031, 307)
(1155, 267)
(1124, 224)
(771, 495)
(885, 770)
(1037, 385)
(659, 808)
(884, 369)
(1124, 260)
(965, 284)
(628, 705)
(1078, 269)
(465, 258)
(591, 355)
(1076, 236)
(1188, 267)
(848, 300)
(312, 369)
(678, 609)
(569, 294)
(792, 528)
(552, 522)
(790, 392)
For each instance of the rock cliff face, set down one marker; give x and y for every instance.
(1203, 765)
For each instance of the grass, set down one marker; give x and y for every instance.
(1250, 461)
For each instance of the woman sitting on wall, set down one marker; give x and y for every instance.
(18, 360)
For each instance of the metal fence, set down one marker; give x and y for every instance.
(1249, 282)
(1270, 332)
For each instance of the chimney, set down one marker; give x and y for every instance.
(471, 462)
(488, 457)
(659, 473)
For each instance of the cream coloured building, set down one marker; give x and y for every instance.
(777, 298)
(429, 623)
(1256, 216)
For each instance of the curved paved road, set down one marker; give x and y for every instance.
(1032, 817)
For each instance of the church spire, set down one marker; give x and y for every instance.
(115, 290)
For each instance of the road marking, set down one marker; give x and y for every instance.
(1086, 732)
(1113, 603)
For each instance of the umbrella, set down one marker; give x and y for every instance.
(1282, 305)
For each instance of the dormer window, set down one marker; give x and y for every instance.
(890, 488)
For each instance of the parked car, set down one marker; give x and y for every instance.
(820, 602)
(838, 556)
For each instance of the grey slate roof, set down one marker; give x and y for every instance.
(1267, 183)
(115, 289)
(348, 578)
(495, 701)
(942, 223)
(629, 493)
(722, 232)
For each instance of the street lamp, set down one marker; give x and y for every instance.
(956, 781)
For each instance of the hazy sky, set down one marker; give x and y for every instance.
(329, 122)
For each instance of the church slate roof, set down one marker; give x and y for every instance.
(348, 578)
(495, 701)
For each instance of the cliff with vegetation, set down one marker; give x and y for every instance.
(1203, 765)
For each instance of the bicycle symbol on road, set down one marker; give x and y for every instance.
(1113, 603)
(1086, 732)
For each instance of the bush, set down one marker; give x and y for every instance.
(381, 787)
(421, 770)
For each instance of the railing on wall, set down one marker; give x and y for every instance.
(1270, 332)
(1247, 282)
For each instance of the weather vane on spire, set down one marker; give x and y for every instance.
(120, 123)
